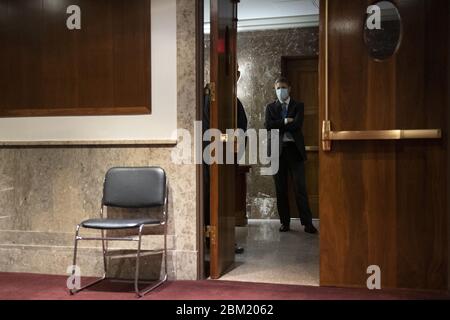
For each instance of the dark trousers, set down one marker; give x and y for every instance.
(291, 163)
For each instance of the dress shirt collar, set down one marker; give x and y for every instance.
(287, 102)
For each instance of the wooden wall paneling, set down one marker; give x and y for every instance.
(134, 48)
(60, 69)
(102, 69)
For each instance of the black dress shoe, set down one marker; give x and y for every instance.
(238, 250)
(285, 228)
(311, 229)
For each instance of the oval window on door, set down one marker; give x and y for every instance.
(382, 30)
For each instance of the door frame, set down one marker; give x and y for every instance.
(200, 64)
(285, 59)
(200, 78)
(448, 147)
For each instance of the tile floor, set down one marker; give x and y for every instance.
(274, 257)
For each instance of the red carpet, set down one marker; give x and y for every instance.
(44, 287)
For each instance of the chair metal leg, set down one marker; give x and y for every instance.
(104, 250)
(142, 293)
(75, 291)
(105, 265)
(75, 251)
(77, 238)
(165, 251)
(138, 255)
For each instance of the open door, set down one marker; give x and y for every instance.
(223, 117)
(383, 159)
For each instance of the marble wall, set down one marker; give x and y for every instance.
(259, 58)
(46, 191)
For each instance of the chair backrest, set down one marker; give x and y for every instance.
(135, 187)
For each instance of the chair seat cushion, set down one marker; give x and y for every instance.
(110, 224)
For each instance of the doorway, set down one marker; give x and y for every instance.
(293, 257)
(270, 256)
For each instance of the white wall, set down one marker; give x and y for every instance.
(154, 128)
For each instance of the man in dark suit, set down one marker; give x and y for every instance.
(287, 116)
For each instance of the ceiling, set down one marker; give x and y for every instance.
(272, 14)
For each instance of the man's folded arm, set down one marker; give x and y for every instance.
(272, 124)
(297, 123)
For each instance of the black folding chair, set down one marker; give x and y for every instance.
(129, 188)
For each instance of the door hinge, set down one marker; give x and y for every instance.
(212, 91)
(211, 233)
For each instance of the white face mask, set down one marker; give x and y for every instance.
(282, 94)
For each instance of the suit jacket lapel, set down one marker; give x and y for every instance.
(279, 109)
(290, 106)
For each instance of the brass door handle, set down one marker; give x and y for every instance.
(384, 135)
(312, 149)
(328, 135)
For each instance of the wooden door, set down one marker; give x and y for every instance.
(383, 192)
(223, 117)
(303, 73)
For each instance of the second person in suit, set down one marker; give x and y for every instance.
(287, 116)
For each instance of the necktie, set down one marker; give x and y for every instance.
(285, 110)
(287, 135)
